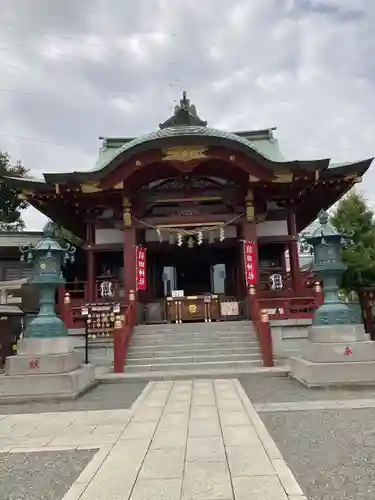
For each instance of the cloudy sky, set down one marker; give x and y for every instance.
(72, 71)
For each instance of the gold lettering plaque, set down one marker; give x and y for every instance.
(24, 195)
(90, 187)
(253, 178)
(184, 154)
(283, 177)
(250, 212)
(126, 212)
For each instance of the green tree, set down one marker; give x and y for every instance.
(10, 205)
(354, 217)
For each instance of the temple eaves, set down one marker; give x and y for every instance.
(185, 114)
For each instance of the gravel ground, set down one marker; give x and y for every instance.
(282, 389)
(331, 453)
(40, 475)
(102, 397)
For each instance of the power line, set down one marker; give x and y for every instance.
(44, 33)
(59, 54)
(7, 46)
(33, 139)
(59, 37)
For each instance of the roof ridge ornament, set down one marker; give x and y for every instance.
(185, 114)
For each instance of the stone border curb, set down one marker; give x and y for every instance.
(39, 449)
(87, 475)
(335, 404)
(285, 475)
(141, 397)
(173, 375)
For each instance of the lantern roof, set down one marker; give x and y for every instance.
(324, 230)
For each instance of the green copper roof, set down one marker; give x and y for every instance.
(185, 122)
(185, 127)
(266, 148)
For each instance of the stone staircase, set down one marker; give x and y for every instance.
(222, 347)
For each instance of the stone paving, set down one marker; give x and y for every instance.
(326, 436)
(182, 440)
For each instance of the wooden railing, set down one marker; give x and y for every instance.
(263, 309)
(123, 334)
(72, 317)
(288, 305)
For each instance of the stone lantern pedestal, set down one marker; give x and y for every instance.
(338, 351)
(45, 367)
(336, 355)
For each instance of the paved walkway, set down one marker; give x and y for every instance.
(183, 440)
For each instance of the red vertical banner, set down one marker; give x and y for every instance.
(141, 268)
(250, 267)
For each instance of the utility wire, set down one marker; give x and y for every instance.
(33, 139)
(58, 37)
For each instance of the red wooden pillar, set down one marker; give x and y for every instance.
(91, 275)
(249, 233)
(129, 253)
(66, 315)
(265, 340)
(293, 251)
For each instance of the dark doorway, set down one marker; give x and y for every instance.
(210, 268)
(194, 277)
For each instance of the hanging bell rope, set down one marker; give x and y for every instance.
(190, 232)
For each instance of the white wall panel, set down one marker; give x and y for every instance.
(272, 228)
(108, 236)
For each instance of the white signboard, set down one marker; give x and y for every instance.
(177, 293)
(229, 308)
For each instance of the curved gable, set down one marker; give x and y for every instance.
(201, 134)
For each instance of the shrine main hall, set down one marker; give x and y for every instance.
(190, 217)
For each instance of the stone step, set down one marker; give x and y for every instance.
(194, 347)
(197, 324)
(194, 331)
(113, 378)
(150, 351)
(185, 344)
(204, 365)
(190, 338)
(197, 346)
(217, 333)
(172, 327)
(156, 360)
(212, 336)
